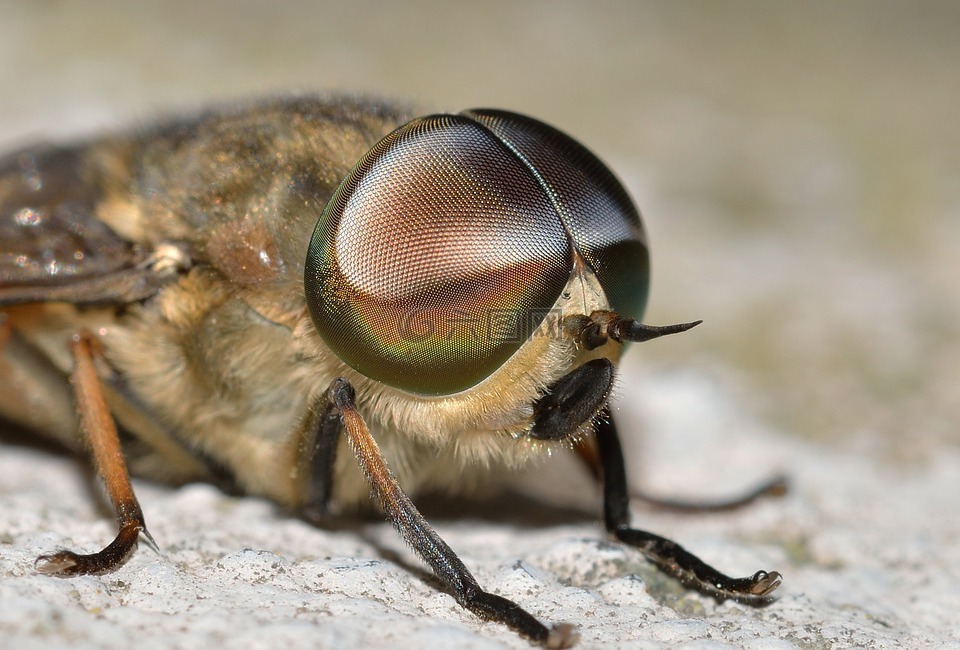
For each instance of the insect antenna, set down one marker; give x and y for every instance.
(601, 326)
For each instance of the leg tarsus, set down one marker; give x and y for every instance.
(775, 487)
(101, 435)
(666, 554)
(67, 563)
(694, 572)
(492, 607)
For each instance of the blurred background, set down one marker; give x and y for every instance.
(797, 163)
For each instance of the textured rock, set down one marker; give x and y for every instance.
(868, 551)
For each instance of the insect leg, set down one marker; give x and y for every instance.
(317, 458)
(775, 487)
(666, 554)
(587, 451)
(415, 530)
(101, 434)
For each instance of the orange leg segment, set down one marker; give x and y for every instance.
(101, 434)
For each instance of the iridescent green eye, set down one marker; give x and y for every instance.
(449, 242)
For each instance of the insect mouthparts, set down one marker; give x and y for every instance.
(572, 401)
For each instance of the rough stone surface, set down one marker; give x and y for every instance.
(868, 551)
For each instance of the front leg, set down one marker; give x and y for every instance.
(666, 554)
(317, 458)
(414, 529)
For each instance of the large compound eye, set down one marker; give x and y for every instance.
(596, 210)
(447, 245)
(430, 256)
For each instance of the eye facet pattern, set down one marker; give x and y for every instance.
(447, 245)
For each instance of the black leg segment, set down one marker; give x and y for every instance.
(666, 554)
(417, 532)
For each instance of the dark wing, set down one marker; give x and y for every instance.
(53, 248)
